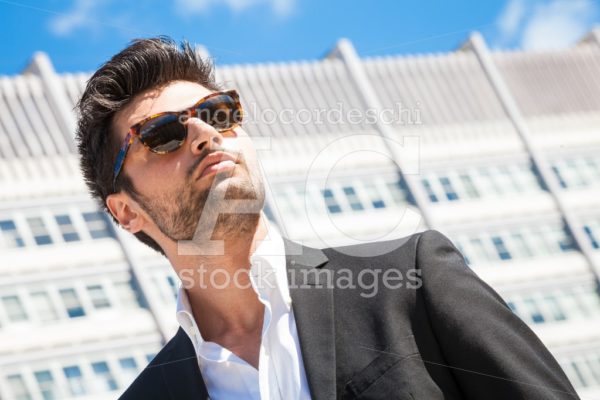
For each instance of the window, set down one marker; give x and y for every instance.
(172, 285)
(492, 186)
(481, 253)
(9, 236)
(509, 183)
(565, 240)
(374, 195)
(398, 190)
(331, 202)
(448, 189)
(520, 245)
(44, 307)
(39, 231)
(103, 376)
(593, 167)
(75, 380)
(18, 388)
(469, 186)
(67, 229)
(501, 248)
(353, 199)
(534, 311)
(590, 234)
(539, 242)
(589, 300)
(572, 307)
(98, 296)
(554, 307)
(574, 174)
(72, 304)
(432, 197)
(14, 309)
(97, 225)
(527, 177)
(129, 367)
(127, 294)
(46, 383)
(556, 171)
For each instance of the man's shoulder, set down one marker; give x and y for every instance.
(401, 247)
(407, 255)
(149, 384)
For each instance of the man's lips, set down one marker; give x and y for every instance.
(214, 162)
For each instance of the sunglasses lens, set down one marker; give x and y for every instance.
(163, 134)
(222, 111)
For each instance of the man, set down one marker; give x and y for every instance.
(163, 151)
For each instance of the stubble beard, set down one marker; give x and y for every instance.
(178, 214)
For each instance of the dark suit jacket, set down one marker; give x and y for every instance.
(452, 337)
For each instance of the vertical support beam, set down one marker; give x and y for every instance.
(477, 44)
(42, 66)
(346, 52)
(593, 36)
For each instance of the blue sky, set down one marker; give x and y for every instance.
(79, 35)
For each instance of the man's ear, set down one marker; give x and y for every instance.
(126, 211)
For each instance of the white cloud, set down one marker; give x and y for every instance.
(79, 16)
(558, 24)
(544, 24)
(511, 17)
(281, 8)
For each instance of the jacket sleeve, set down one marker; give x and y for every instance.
(490, 351)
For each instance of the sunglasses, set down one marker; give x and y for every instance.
(165, 132)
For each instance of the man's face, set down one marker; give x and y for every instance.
(170, 187)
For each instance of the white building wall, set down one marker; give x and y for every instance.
(82, 309)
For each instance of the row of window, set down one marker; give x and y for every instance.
(573, 303)
(341, 196)
(465, 183)
(51, 303)
(375, 192)
(515, 243)
(480, 182)
(47, 228)
(577, 172)
(76, 379)
(583, 370)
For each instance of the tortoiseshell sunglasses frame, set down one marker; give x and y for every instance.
(191, 112)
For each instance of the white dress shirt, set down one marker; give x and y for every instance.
(280, 373)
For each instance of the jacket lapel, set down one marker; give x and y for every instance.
(312, 303)
(181, 372)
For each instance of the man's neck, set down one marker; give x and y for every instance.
(223, 302)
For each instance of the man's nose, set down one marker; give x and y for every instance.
(202, 136)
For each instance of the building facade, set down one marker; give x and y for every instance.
(499, 150)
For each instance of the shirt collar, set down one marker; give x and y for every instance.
(268, 259)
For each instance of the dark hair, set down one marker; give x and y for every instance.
(144, 64)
